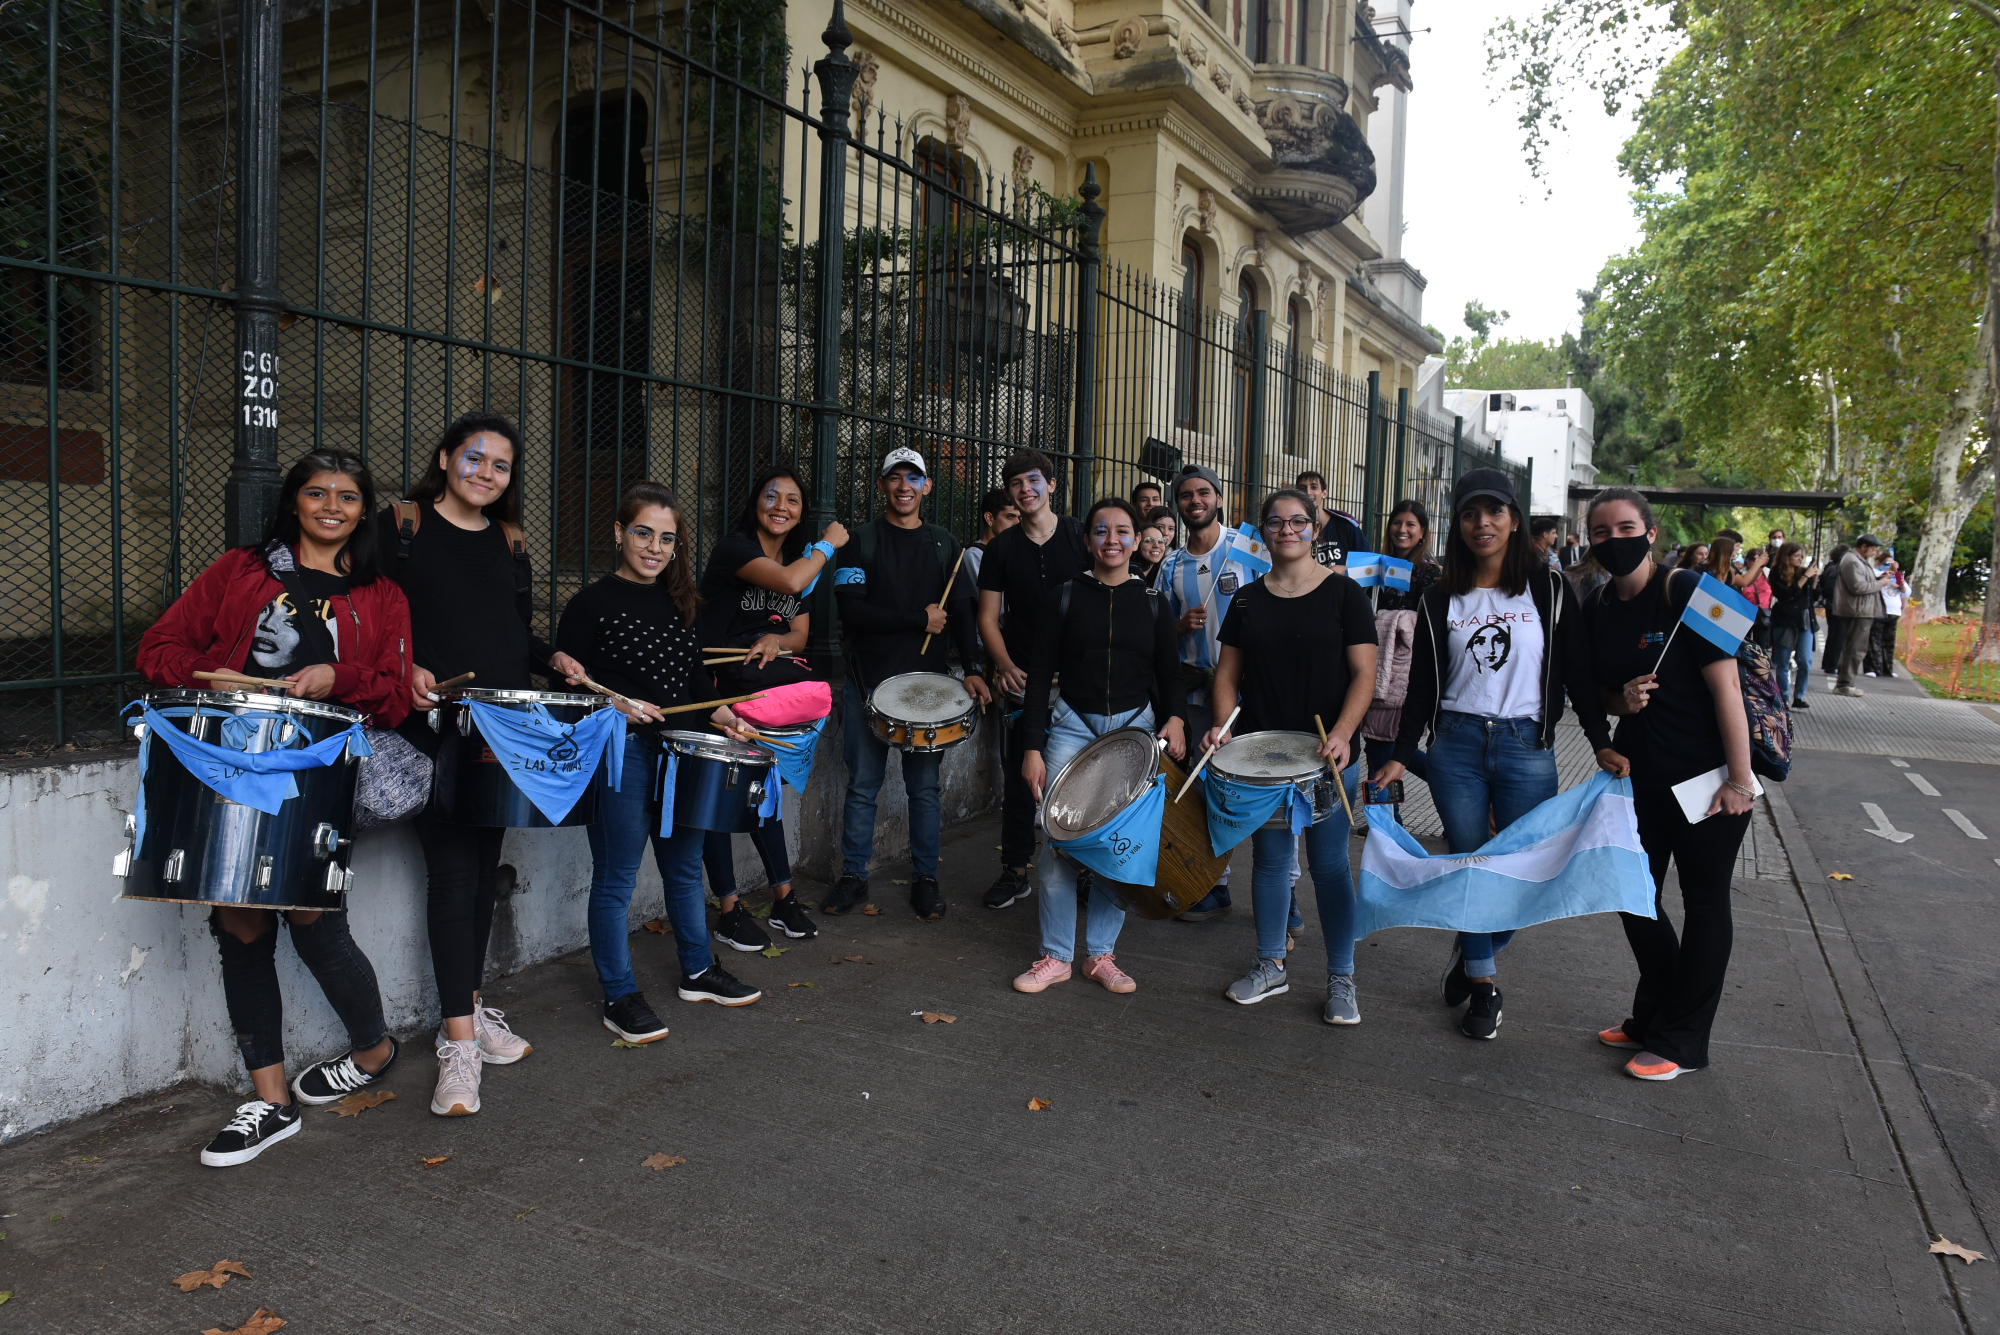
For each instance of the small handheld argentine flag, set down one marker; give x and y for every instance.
(1364, 568)
(1247, 549)
(1719, 614)
(1396, 573)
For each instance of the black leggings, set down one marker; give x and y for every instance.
(463, 862)
(1680, 977)
(718, 857)
(1017, 800)
(250, 985)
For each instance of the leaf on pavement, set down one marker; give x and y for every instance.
(1945, 1247)
(1838, 876)
(215, 1276)
(261, 1322)
(356, 1104)
(932, 1017)
(625, 1043)
(1036, 1105)
(659, 1162)
(871, 910)
(657, 925)
(433, 1163)
(801, 984)
(6, 1294)
(853, 959)
(900, 882)
(773, 950)
(762, 911)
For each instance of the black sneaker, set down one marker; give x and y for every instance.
(1214, 902)
(1011, 886)
(336, 1079)
(715, 984)
(739, 931)
(256, 1127)
(633, 1020)
(1482, 1017)
(846, 896)
(1455, 987)
(789, 917)
(925, 899)
(1800, 704)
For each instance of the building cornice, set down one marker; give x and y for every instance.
(1394, 316)
(1057, 120)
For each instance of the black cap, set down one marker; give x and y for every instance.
(1483, 482)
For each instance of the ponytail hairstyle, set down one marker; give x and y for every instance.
(356, 560)
(678, 577)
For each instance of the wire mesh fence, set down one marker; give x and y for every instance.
(1951, 655)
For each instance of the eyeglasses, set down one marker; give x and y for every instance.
(1285, 523)
(645, 537)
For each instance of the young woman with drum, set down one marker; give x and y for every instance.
(306, 605)
(468, 580)
(752, 597)
(1298, 656)
(635, 626)
(1498, 642)
(1112, 640)
(1680, 709)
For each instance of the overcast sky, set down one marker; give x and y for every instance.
(1479, 226)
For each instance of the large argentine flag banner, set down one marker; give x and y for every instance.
(1719, 614)
(1576, 853)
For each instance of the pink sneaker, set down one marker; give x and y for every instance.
(498, 1045)
(1042, 974)
(1101, 969)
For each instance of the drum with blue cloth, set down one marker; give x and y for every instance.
(1099, 785)
(719, 783)
(200, 847)
(473, 787)
(1264, 760)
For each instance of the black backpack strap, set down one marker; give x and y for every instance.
(408, 515)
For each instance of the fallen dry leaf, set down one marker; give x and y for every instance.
(1036, 1105)
(356, 1104)
(932, 1017)
(853, 959)
(433, 1163)
(871, 910)
(773, 950)
(761, 911)
(1838, 876)
(901, 883)
(1945, 1247)
(658, 1162)
(626, 1043)
(215, 1276)
(261, 1322)
(657, 925)
(801, 984)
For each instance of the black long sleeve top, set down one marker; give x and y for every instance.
(1115, 649)
(882, 605)
(633, 640)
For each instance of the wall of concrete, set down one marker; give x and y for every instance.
(106, 998)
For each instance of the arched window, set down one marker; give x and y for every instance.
(948, 182)
(1187, 358)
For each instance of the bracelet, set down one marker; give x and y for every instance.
(1734, 787)
(824, 548)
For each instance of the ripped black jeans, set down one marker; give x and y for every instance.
(250, 985)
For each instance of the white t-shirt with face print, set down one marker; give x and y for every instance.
(1494, 667)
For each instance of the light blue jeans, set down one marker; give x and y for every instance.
(1785, 644)
(1480, 767)
(626, 822)
(867, 759)
(1274, 853)
(1069, 732)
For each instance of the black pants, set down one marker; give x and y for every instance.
(1680, 977)
(1017, 801)
(1881, 658)
(718, 857)
(1836, 633)
(463, 862)
(250, 985)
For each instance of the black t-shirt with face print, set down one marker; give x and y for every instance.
(289, 638)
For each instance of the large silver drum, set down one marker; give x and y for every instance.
(472, 787)
(201, 848)
(1278, 759)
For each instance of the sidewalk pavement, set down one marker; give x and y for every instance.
(1202, 1166)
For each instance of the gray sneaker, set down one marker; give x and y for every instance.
(1341, 1008)
(1266, 980)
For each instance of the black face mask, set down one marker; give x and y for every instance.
(1622, 556)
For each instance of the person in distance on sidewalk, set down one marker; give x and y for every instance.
(1857, 602)
(1112, 641)
(1677, 720)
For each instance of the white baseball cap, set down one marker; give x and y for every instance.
(903, 455)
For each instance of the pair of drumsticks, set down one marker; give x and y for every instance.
(610, 694)
(1339, 782)
(279, 684)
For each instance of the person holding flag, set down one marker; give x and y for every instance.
(1402, 592)
(1682, 724)
(1497, 643)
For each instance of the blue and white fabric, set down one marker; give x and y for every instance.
(1719, 614)
(794, 766)
(1191, 581)
(673, 768)
(1237, 810)
(1125, 848)
(552, 762)
(259, 779)
(1247, 549)
(1365, 568)
(1397, 573)
(1576, 853)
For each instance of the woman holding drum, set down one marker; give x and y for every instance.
(456, 550)
(307, 606)
(1498, 641)
(1298, 652)
(634, 624)
(1112, 640)
(752, 596)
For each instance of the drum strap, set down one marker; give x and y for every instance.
(1153, 596)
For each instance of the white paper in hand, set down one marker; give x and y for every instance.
(1697, 793)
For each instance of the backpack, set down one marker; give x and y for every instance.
(409, 515)
(1764, 706)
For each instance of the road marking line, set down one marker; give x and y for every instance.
(1923, 784)
(1899, 764)
(1958, 818)
(1883, 828)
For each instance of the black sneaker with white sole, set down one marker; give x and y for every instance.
(846, 896)
(333, 1080)
(1482, 1016)
(1011, 886)
(633, 1020)
(1454, 986)
(739, 931)
(789, 917)
(715, 984)
(256, 1127)
(926, 900)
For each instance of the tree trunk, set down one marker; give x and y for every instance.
(1988, 649)
(1952, 497)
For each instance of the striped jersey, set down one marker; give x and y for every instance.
(1189, 581)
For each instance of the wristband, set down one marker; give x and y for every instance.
(824, 548)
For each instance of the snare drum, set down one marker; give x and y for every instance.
(1273, 760)
(718, 782)
(472, 786)
(922, 711)
(201, 848)
(1106, 777)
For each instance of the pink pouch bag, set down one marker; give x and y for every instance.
(781, 706)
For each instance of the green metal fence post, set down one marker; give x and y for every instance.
(1457, 450)
(1396, 492)
(836, 83)
(1254, 397)
(1083, 445)
(1371, 468)
(251, 495)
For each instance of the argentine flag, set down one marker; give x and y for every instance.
(1576, 853)
(1364, 568)
(1247, 549)
(1396, 573)
(1719, 614)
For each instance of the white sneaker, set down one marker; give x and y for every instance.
(498, 1045)
(457, 1092)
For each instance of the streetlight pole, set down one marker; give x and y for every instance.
(251, 494)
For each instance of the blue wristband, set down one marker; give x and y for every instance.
(825, 548)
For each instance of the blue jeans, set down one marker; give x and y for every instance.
(626, 819)
(867, 759)
(1272, 853)
(1069, 732)
(1481, 766)
(1785, 644)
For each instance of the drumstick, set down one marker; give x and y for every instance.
(926, 646)
(238, 679)
(715, 704)
(1209, 752)
(611, 694)
(768, 741)
(1339, 780)
(450, 682)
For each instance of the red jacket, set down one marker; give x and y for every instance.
(208, 629)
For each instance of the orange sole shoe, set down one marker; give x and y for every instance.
(1615, 1038)
(1657, 1069)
